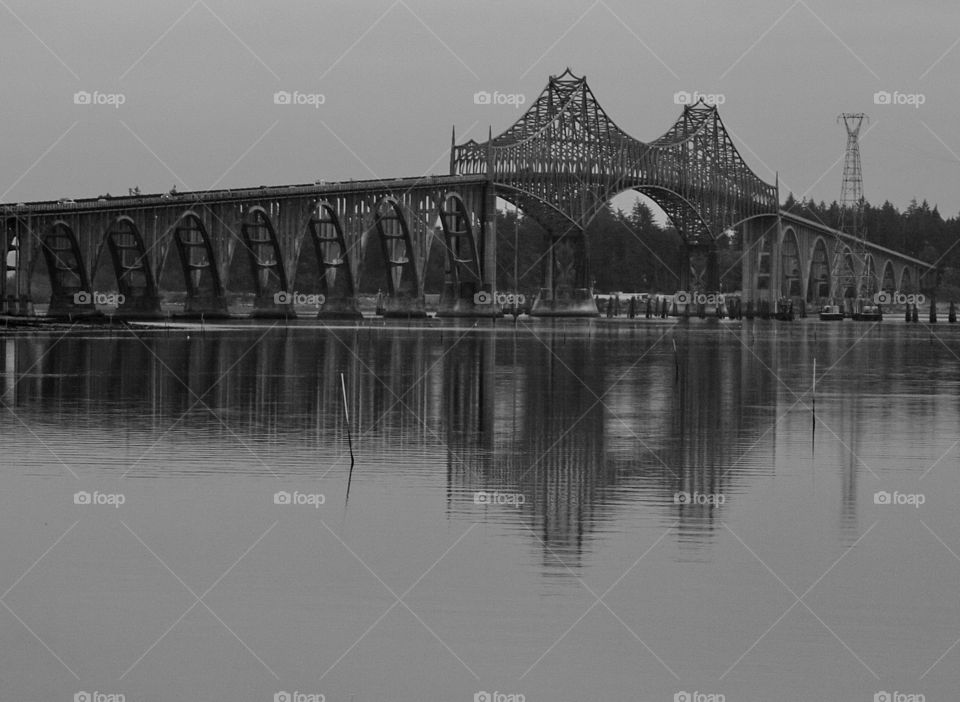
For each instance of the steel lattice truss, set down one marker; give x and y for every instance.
(566, 156)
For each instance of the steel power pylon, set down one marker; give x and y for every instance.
(850, 254)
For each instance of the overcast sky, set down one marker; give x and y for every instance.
(197, 83)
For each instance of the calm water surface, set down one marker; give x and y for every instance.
(559, 510)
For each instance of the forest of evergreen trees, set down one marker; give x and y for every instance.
(631, 252)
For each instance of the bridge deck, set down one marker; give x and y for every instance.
(828, 231)
(263, 192)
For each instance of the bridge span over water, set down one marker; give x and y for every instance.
(560, 162)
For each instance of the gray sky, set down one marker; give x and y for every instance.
(198, 79)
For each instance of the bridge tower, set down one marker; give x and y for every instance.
(850, 256)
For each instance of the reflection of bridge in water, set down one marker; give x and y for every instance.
(586, 422)
(561, 162)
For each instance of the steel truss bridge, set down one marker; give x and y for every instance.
(560, 162)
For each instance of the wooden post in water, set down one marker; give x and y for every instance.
(676, 362)
(346, 414)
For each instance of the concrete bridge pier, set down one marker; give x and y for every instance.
(206, 306)
(565, 291)
(701, 269)
(339, 307)
(72, 305)
(404, 306)
(273, 306)
(139, 306)
(759, 237)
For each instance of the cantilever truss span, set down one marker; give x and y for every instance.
(567, 158)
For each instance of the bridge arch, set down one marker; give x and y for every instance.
(818, 277)
(69, 280)
(848, 272)
(16, 232)
(868, 279)
(396, 245)
(463, 264)
(791, 276)
(907, 282)
(683, 214)
(259, 237)
(335, 262)
(131, 267)
(888, 280)
(198, 264)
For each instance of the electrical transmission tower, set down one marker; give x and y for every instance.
(851, 272)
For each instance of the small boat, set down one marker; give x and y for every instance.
(784, 309)
(868, 313)
(831, 313)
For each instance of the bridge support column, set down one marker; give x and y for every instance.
(566, 291)
(752, 243)
(701, 269)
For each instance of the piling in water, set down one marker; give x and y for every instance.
(346, 415)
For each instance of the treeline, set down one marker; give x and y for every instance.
(631, 252)
(627, 251)
(919, 231)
